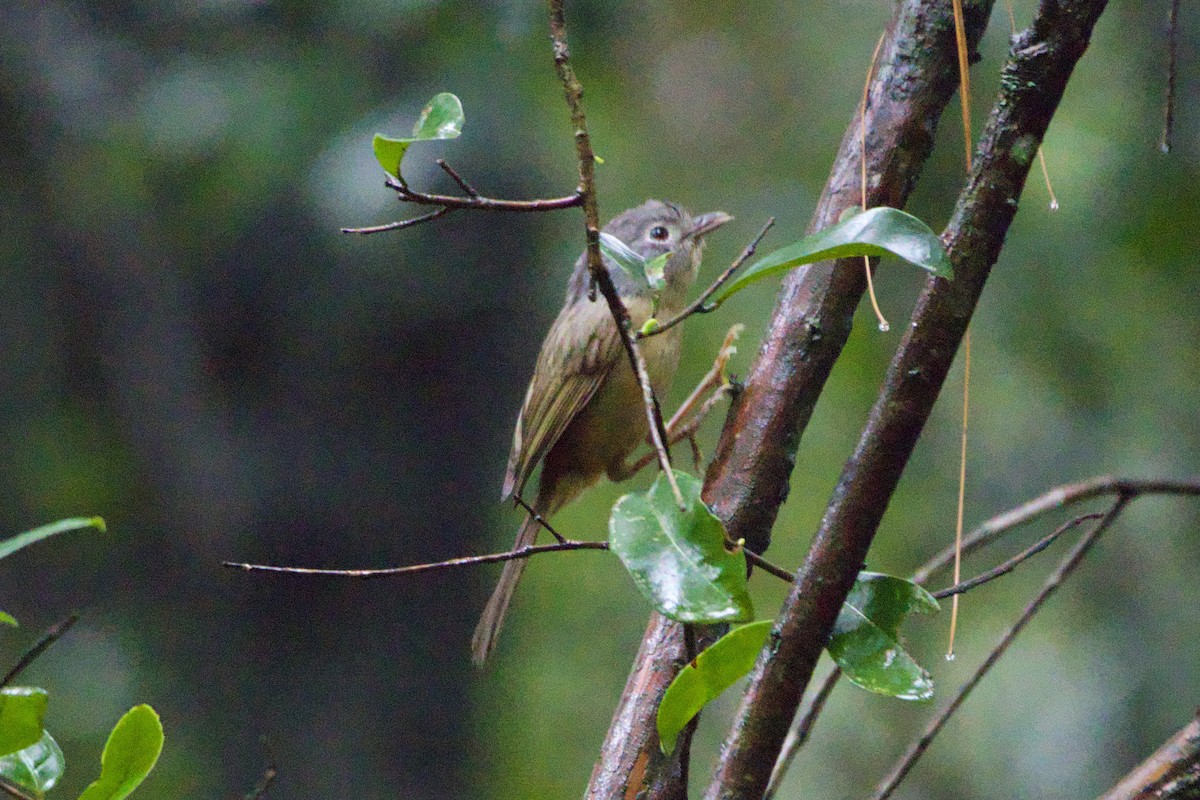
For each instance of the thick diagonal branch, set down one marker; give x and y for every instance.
(1032, 84)
(1172, 773)
(748, 480)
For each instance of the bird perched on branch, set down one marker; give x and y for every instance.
(583, 413)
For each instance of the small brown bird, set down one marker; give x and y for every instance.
(583, 413)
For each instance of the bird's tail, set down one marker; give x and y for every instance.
(488, 629)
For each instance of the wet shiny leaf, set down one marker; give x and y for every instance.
(22, 710)
(36, 768)
(878, 231)
(442, 118)
(866, 636)
(678, 558)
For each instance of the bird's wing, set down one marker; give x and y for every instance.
(580, 349)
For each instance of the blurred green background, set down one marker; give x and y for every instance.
(191, 349)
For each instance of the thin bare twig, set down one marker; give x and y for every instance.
(476, 202)
(13, 790)
(766, 566)
(538, 518)
(51, 636)
(472, 202)
(677, 433)
(563, 546)
(988, 532)
(1012, 563)
(459, 179)
(464, 561)
(698, 305)
(1068, 565)
(677, 430)
(715, 378)
(573, 93)
(401, 224)
(798, 736)
(1057, 498)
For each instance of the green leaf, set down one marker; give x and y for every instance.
(866, 636)
(678, 558)
(646, 271)
(8, 619)
(865, 644)
(703, 680)
(22, 710)
(622, 256)
(133, 748)
(878, 231)
(655, 271)
(36, 768)
(441, 118)
(15, 543)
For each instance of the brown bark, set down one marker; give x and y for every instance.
(1040, 64)
(1172, 773)
(747, 482)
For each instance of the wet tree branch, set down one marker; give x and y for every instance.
(1040, 64)
(748, 480)
(1172, 773)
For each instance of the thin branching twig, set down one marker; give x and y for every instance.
(1068, 565)
(700, 304)
(1012, 563)
(51, 636)
(473, 201)
(527, 551)
(991, 530)
(573, 92)
(564, 546)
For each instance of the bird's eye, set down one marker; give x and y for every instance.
(660, 233)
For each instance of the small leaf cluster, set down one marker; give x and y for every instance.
(683, 562)
(31, 762)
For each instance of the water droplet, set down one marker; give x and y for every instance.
(950, 656)
(884, 327)
(1054, 205)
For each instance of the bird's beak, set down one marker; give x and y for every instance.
(707, 223)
